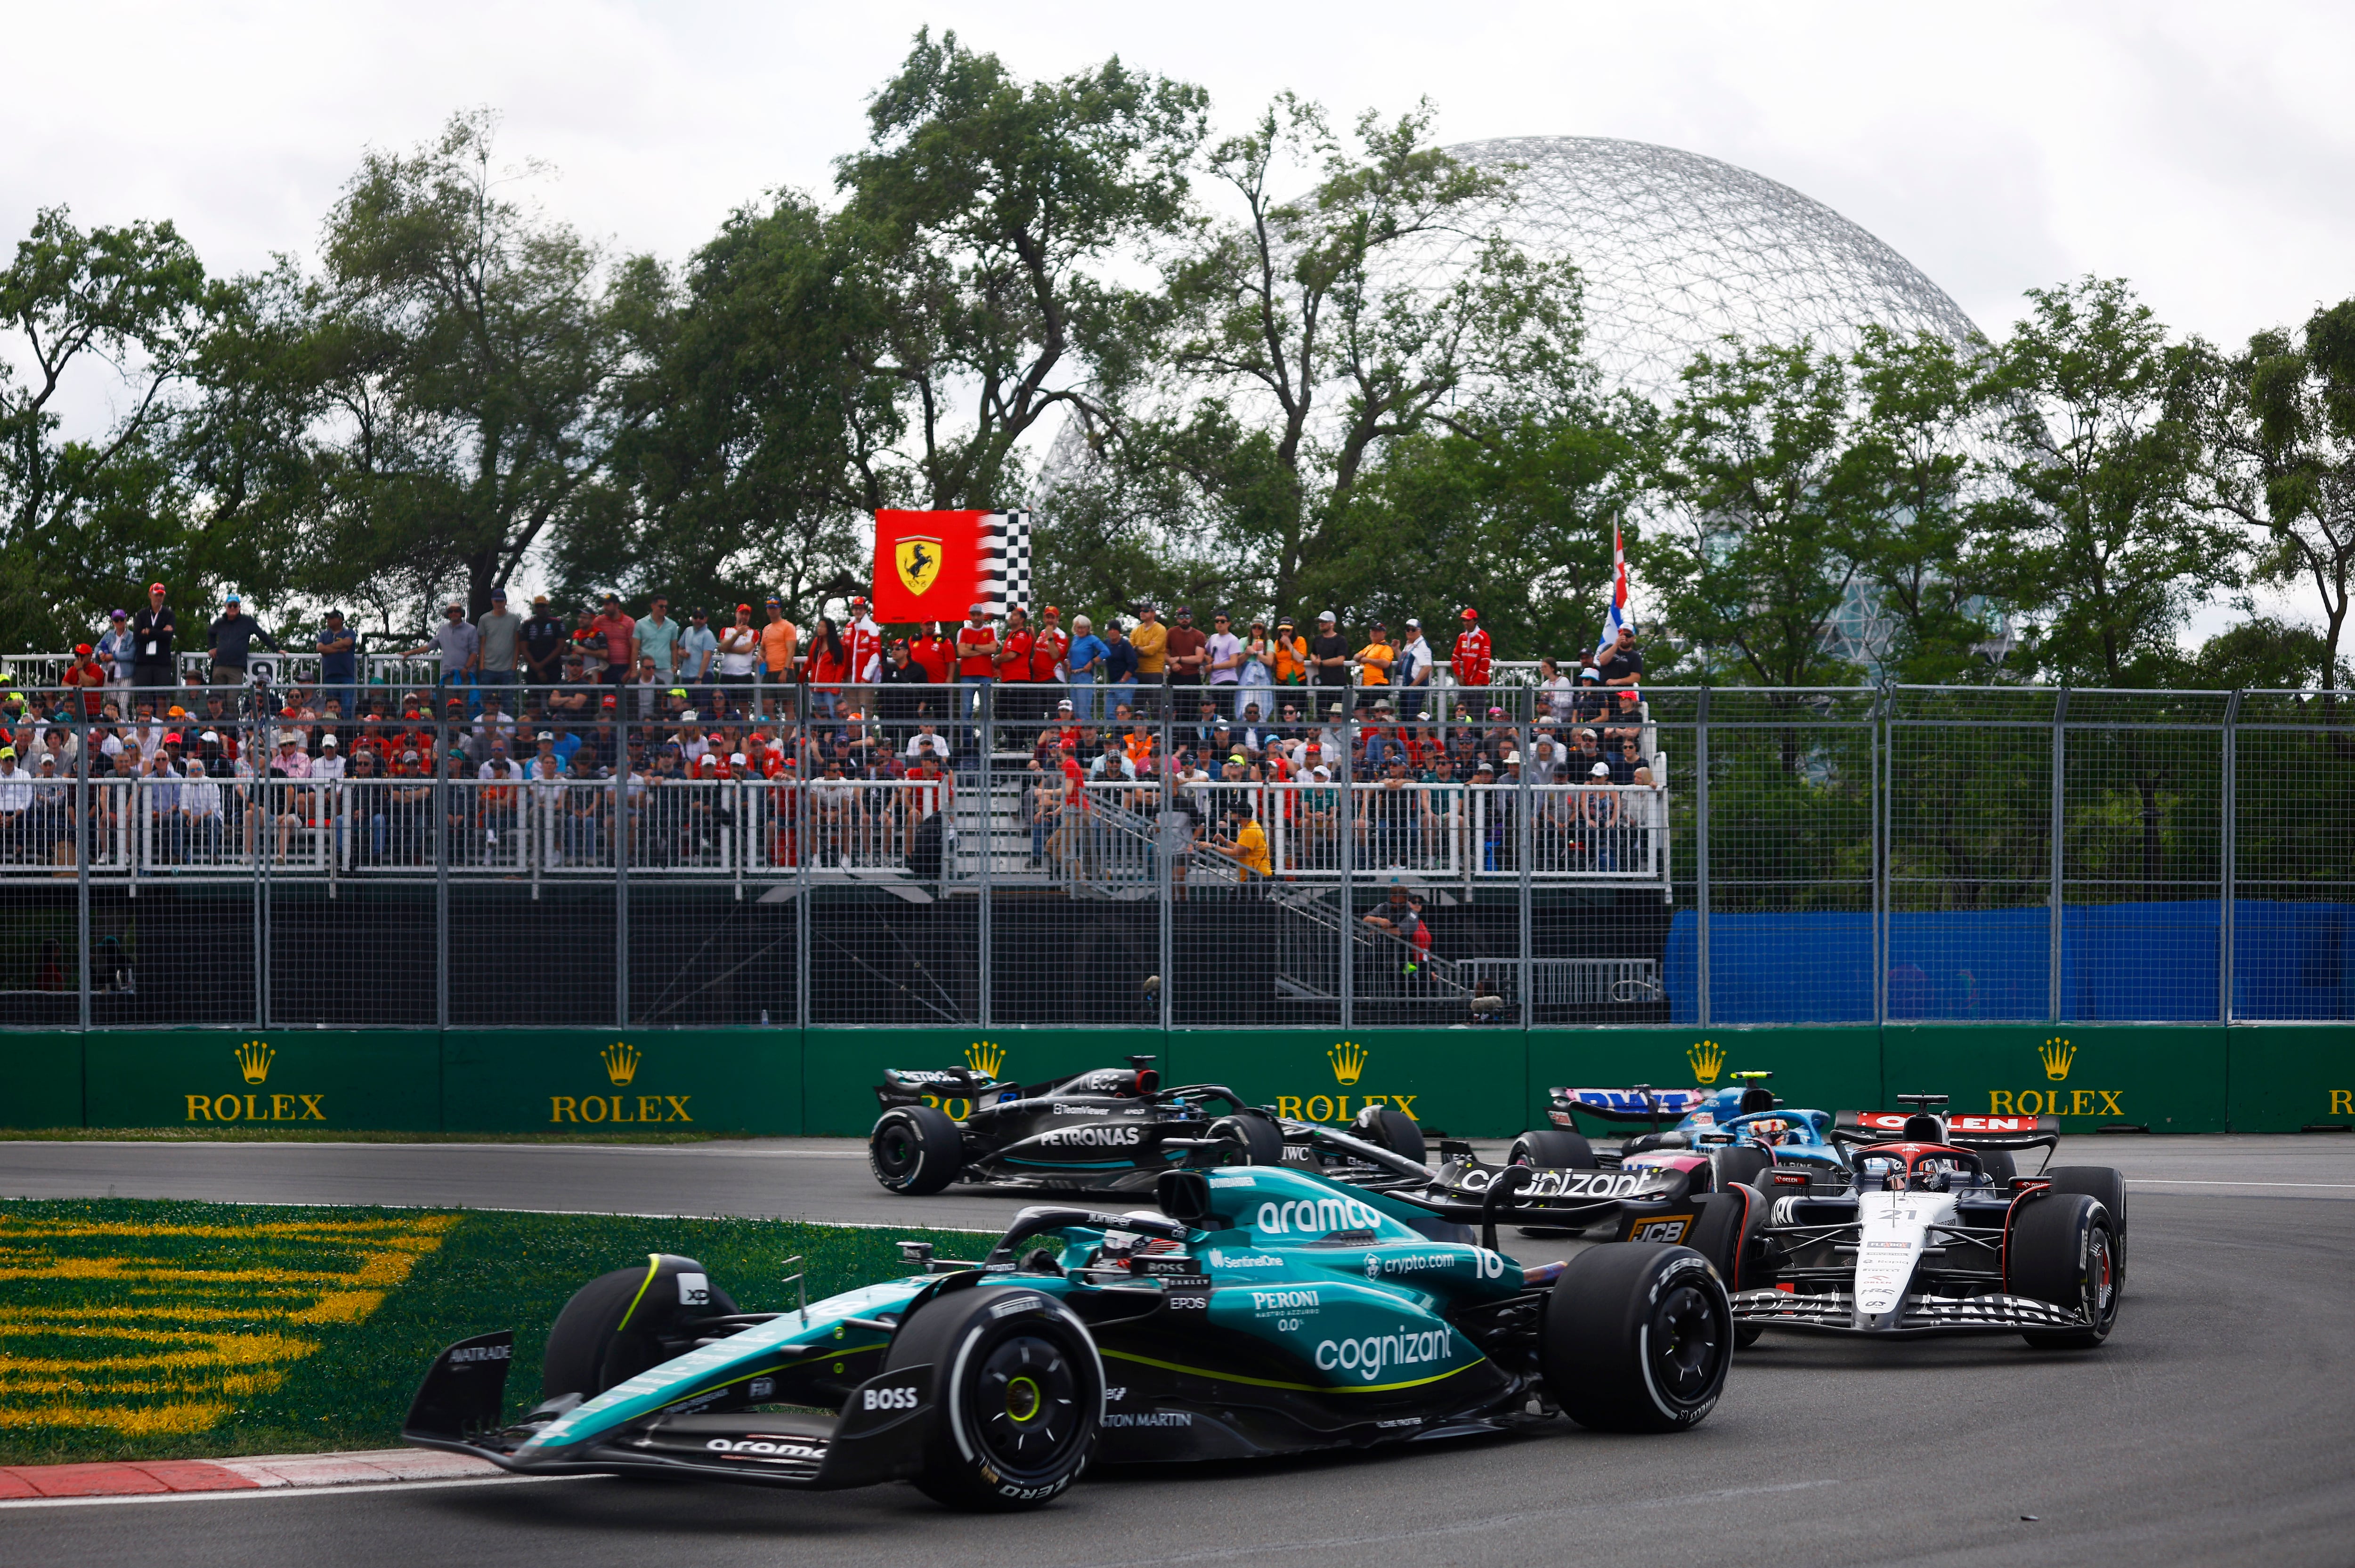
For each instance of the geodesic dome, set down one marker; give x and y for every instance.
(1676, 250)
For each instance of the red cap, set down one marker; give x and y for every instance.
(1050, 609)
(1470, 613)
(81, 649)
(744, 609)
(154, 588)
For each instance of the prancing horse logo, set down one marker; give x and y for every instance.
(919, 560)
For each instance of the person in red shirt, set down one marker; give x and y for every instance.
(90, 675)
(829, 667)
(931, 652)
(1468, 666)
(1014, 694)
(864, 639)
(977, 643)
(617, 631)
(1047, 645)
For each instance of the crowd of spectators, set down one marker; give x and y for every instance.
(1241, 730)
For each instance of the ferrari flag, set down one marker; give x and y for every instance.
(936, 565)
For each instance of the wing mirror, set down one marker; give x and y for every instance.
(1185, 1197)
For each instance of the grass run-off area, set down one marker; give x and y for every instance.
(134, 1329)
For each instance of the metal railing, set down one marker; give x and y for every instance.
(1883, 854)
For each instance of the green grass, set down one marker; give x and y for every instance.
(134, 1329)
(293, 1135)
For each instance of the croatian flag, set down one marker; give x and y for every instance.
(1621, 613)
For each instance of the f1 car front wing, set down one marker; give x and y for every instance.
(1834, 1312)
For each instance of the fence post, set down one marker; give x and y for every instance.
(1346, 834)
(1701, 854)
(1166, 804)
(2227, 870)
(85, 842)
(441, 869)
(986, 822)
(265, 733)
(1884, 783)
(1525, 840)
(2060, 836)
(621, 867)
(797, 783)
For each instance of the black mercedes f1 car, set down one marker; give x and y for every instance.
(1115, 1129)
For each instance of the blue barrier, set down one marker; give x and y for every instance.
(2149, 962)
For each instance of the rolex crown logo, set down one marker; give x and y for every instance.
(987, 1057)
(620, 1063)
(1707, 1059)
(2057, 1054)
(1348, 1059)
(253, 1059)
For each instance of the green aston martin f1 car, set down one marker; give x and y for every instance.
(1262, 1311)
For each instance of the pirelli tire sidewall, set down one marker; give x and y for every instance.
(1637, 1337)
(915, 1149)
(1019, 1392)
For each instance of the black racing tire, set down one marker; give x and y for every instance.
(1637, 1337)
(1727, 1234)
(1017, 1397)
(1998, 1165)
(2107, 1188)
(1553, 1149)
(1256, 1134)
(915, 1149)
(610, 1331)
(1394, 1131)
(1743, 1162)
(2062, 1248)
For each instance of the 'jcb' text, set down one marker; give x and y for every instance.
(619, 1107)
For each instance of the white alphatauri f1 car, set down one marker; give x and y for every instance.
(1919, 1237)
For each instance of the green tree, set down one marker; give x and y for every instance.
(1510, 511)
(476, 359)
(994, 216)
(764, 439)
(88, 519)
(1303, 338)
(1908, 474)
(2279, 421)
(2098, 536)
(1763, 554)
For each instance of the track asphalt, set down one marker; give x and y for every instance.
(2216, 1425)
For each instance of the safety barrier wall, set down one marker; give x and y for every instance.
(1471, 1080)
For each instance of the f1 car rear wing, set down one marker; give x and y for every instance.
(1642, 1104)
(1959, 1131)
(907, 1085)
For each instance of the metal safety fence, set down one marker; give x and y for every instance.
(981, 854)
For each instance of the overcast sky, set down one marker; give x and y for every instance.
(2205, 152)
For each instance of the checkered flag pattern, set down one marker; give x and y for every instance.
(1005, 565)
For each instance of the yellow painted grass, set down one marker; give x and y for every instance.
(174, 1343)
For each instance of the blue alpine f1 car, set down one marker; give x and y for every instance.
(1262, 1311)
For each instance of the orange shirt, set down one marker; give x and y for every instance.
(777, 639)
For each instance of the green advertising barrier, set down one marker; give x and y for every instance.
(2167, 1077)
(1465, 1082)
(44, 1079)
(309, 1079)
(2286, 1076)
(622, 1080)
(840, 1068)
(1819, 1068)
